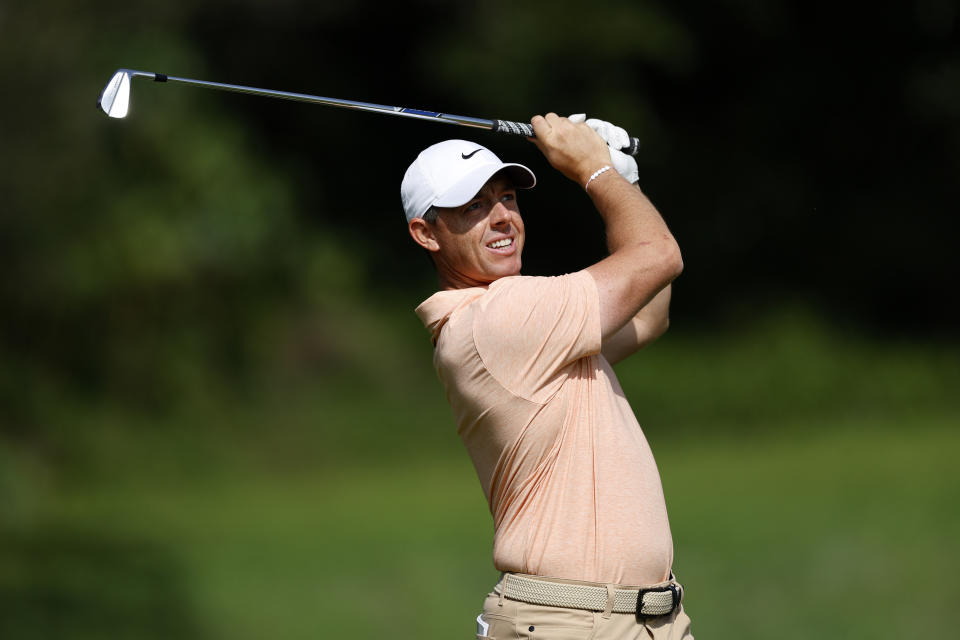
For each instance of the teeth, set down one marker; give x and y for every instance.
(506, 242)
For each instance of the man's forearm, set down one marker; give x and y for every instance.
(628, 215)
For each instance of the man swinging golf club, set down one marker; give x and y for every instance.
(581, 529)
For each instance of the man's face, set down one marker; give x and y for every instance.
(482, 240)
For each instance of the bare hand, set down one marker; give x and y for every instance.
(573, 149)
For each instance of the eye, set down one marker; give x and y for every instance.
(473, 206)
(508, 197)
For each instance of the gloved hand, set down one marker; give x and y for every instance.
(616, 139)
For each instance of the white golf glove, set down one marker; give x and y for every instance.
(616, 139)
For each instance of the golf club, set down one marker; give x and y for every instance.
(115, 102)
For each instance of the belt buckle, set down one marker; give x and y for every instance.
(674, 594)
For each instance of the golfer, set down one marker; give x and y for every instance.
(581, 534)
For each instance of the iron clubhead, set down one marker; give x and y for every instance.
(115, 97)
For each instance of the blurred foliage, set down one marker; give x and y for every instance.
(139, 259)
(216, 405)
(151, 258)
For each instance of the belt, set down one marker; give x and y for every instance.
(645, 602)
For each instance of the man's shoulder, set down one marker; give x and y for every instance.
(437, 309)
(504, 300)
(446, 302)
(520, 298)
(538, 285)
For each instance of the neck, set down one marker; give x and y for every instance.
(450, 281)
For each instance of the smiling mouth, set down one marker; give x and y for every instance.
(501, 244)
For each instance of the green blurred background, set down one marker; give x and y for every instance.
(218, 414)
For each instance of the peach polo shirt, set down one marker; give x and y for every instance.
(567, 472)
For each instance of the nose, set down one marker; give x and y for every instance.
(499, 215)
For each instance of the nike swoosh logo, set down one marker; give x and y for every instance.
(467, 156)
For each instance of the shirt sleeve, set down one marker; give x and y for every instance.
(530, 330)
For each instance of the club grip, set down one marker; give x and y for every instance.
(516, 128)
(526, 129)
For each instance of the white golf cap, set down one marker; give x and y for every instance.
(451, 173)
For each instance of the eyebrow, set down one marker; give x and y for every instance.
(499, 185)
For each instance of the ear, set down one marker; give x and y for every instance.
(422, 233)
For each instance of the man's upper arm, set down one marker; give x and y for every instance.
(645, 327)
(630, 278)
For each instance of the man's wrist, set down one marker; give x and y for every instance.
(596, 174)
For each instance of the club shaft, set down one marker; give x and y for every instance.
(502, 126)
(479, 123)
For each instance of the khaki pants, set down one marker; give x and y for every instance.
(513, 620)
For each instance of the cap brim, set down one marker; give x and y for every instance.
(465, 190)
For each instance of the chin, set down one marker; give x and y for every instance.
(491, 270)
(506, 272)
